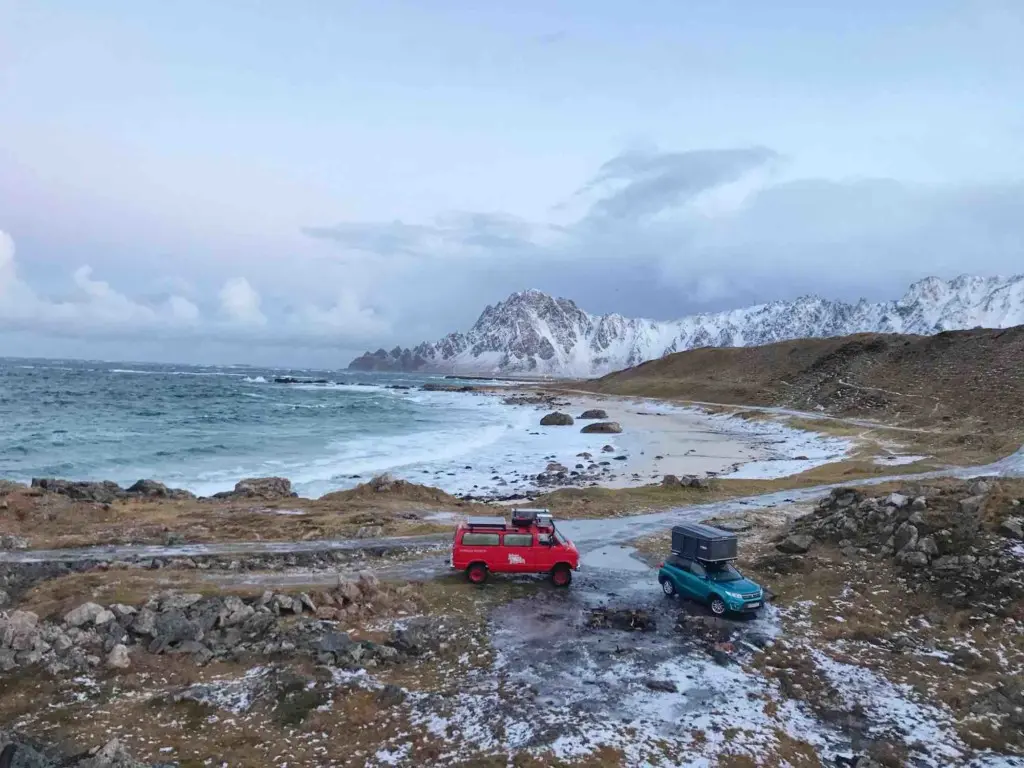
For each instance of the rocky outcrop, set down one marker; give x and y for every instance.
(603, 428)
(203, 628)
(556, 419)
(262, 488)
(593, 413)
(106, 491)
(956, 541)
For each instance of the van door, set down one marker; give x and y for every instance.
(518, 553)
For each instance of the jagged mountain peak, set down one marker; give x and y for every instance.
(533, 332)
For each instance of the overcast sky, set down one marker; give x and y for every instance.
(291, 183)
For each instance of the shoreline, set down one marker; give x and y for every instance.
(658, 439)
(518, 458)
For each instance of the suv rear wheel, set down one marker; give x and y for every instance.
(668, 587)
(561, 576)
(477, 573)
(717, 605)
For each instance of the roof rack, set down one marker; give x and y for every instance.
(486, 522)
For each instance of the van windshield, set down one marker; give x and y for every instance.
(724, 573)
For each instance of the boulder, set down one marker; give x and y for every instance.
(608, 449)
(972, 505)
(663, 686)
(267, 488)
(179, 601)
(914, 559)
(594, 413)
(603, 428)
(897, 500)
(19, 630)
(905, 537)
(795, 544)
(118, 657)
(556, 419)
(84, 614)
(1012, 528)
(144, 622)
(9, 541)
(110, 755)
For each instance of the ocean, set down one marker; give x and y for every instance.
(204, 428)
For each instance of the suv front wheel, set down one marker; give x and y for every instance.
(717, 605)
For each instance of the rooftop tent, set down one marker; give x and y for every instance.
(702, 542)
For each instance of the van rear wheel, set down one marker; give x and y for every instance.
(477, 573)
(561, 576)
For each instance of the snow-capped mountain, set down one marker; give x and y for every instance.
(533, 333)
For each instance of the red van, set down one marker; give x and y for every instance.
(529, 544)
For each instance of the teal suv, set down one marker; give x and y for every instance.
(718, 585)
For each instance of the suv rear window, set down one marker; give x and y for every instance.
(480, 539)
(518, 539)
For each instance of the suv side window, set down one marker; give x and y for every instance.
(518, 539)
(679, 562)
(698, 570)
(480, 539)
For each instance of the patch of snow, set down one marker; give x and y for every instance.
(895, 460)
(893, 713)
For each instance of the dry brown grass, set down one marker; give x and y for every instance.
(51, 521)
(569, 503)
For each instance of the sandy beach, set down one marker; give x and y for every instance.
(659, 439)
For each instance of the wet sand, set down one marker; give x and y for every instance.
(667, 440)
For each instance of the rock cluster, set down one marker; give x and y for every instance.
(106, 491)
(20, 751)
(950, 540)
(202, 628)
(686, 481)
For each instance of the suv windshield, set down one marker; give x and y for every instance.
(724, 573)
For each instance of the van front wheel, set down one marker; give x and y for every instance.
(561, 576)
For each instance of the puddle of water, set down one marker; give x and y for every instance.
(616, 558)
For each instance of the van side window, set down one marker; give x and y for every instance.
(518, 539)
(544, 538)
(480, 539)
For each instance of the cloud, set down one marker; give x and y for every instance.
(240, 303)
(640, 184)
(452, 235)
(666, 234)
(95, 309)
